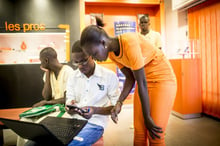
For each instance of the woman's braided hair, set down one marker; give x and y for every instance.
(92, 34)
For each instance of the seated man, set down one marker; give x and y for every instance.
(95, 90)
(55, 77)
(55, 80)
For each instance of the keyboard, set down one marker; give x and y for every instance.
(63, 128)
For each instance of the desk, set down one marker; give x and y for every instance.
(188, 102)
(12, 113)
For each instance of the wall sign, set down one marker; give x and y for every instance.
(26, 27)
(19, 48)
(124, 26)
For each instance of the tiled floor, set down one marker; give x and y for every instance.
(120, 134)
(204, 131)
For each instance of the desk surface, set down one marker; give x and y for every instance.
(12, 113)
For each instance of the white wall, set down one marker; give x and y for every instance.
(175, 38)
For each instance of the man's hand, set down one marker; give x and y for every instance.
(41, 103)
(71, 111)
(43, 69)
(88, 111)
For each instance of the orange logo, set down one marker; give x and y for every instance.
(23, 46)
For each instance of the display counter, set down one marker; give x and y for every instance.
(188, 102)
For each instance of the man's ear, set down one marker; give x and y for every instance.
(46, 60)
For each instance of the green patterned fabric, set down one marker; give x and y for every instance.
(43, 110)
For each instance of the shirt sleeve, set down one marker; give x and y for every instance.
(158, 40)
(68, 73)
(69, 89)
(113, 90)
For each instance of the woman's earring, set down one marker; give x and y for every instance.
(105, 47)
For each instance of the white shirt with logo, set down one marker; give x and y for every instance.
(101, 90)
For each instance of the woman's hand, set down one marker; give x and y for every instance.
(115, 111)
(152, 128)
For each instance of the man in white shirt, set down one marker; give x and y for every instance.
(153, 36)
(95, 90)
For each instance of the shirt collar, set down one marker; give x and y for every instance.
(97, 72)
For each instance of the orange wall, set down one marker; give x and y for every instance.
(114, 13)
(204, 32)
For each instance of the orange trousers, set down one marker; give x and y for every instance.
(162, 95)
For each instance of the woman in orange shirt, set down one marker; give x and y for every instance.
(139, 61)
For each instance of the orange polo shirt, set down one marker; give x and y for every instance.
(137, 52)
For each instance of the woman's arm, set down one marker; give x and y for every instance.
(144, 98)
(142, 91)
(128, 85)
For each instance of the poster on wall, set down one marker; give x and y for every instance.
(121, 27)
(23, 48)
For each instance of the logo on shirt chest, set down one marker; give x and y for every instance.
(101, 87)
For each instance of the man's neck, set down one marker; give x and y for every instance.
(57, 69)
(145, 32)
(91, 72)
